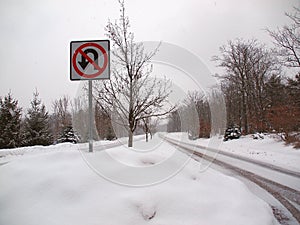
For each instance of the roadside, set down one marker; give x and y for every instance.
(262, 181)
(269, 149)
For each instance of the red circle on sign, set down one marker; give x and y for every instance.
(79, 51)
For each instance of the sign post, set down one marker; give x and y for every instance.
(90, 60)
(90, 116)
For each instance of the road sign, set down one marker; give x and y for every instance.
(90, 60)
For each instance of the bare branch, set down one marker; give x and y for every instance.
(131, 94)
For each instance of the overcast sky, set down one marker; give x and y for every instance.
(36, 34)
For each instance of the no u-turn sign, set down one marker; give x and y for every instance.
(90, 60)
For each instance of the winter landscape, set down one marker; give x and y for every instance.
(55, 185)
(110, 115)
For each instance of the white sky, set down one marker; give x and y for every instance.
(36, 34)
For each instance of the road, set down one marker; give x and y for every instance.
(282, 184)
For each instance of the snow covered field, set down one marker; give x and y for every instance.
(269, 149)
(151, 184)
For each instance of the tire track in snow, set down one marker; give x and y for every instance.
(285, 195)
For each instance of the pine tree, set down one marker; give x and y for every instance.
(36, 124)
(68, 135)
(10, 122)
(276, 93)
(293, 87)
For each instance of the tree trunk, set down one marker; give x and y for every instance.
(130, 138)
(130, 116)
(245, 116)
(244, 108)
(147, 136)
(146, 129)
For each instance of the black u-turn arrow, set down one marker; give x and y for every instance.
(84, 62)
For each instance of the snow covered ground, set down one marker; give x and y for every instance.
(150, 184)
(269, 149)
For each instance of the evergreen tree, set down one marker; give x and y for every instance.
(68, 135)
(10, 122)
(293, 87)
(276, 93)
(36, 124)
(283, 109)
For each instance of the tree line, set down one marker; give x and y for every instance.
(258, 96)
(261, 85)
(36, 126)
(68, 122)
(128, 103)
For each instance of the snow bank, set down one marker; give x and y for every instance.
(59, 187)
(7, 155)
(269, 149)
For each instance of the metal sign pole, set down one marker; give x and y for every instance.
(90, 116)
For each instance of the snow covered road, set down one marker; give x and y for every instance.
(283, 184)
(283, 176)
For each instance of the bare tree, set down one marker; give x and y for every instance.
(189, 116)
(148, 125)
(247, 66)
(131, 94)
(216, 112)
(174, 121)
(196, 115)
(61, 115)
(80, 117)
(103, 124)
(287, 39)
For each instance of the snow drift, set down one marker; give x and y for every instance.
(59, 187)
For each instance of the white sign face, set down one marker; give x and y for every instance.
(90, 60)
